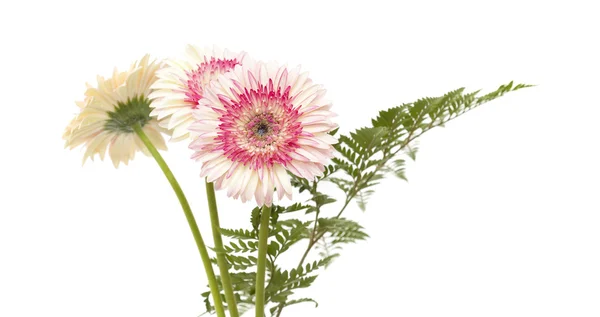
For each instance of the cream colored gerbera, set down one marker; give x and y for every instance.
(109, 112)
(182, 83)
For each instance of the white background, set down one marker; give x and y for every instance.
(500, 216)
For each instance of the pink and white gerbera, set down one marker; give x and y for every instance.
(258, 122)
(181, 85)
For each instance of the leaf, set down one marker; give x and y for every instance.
(241, 262)
(363, 196)
(397, 168)
(241, 246)
(255, 218)
(341, 183)
(342, 230)
(275, 211)
(289, 232)
(281, 297)
(273, 248)
(329, 169)
(369, 137)
(293, 302)
(310, 267)
(300, 183)
(296, 207)
(239, 233)
(411, 151)
(302, 300)
(327, 251)
(322, 199)
(209, 307)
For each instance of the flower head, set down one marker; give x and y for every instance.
(258, 122)
(181, 85)
(109, 112)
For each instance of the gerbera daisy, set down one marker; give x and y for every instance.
(109, 112)
(181, 85)
(258, 122)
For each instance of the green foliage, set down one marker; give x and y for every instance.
(365, 156)
(294, 207)
(396, 167)
(255, 218)
(300, 183)
(326, 249)
(241, 249)
(283, 283)
(341, 230)
(287, 233)
(241, 246)
(293, 302)
(243, 285)
(239, 234)
(363, 196)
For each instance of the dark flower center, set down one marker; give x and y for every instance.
(262, 129)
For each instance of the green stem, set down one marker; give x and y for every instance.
(221, 259)
(263, 237)
(212, 280)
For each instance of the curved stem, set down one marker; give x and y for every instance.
(221, 260)
(212, 281)
(263, 237)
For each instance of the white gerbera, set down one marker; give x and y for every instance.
(109, 112)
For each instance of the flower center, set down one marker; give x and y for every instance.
(262, 129)
(203, 74)
(127, 114)
(259, 127)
